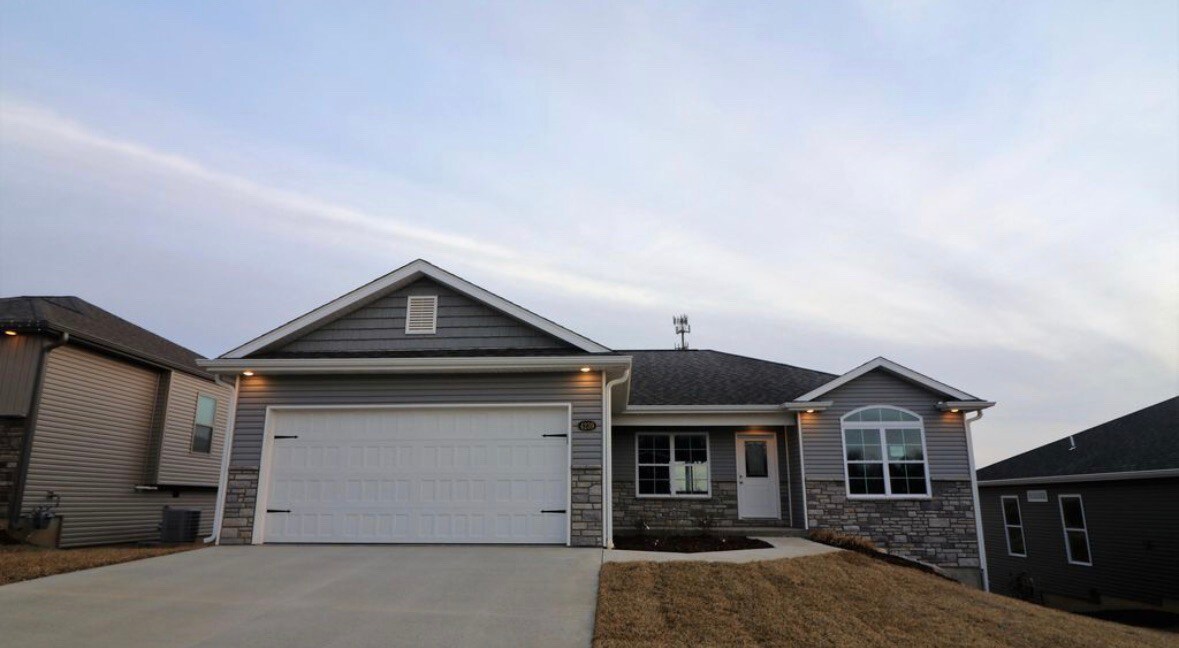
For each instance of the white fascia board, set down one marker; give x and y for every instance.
(965, 406)
(694, 419)
(1092, 477)
(265, 366)
(396, 279)
(888, 365)
(699, 409)
(806, 406)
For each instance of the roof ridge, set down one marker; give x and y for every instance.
(729, 353)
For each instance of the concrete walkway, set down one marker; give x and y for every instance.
(783, 548)
(304, 596)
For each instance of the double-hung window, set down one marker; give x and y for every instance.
(1076, 533)
(1013, 525)
(202, 429)
(672, 464)
(884, 453)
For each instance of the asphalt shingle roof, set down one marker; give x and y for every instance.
(703, 377)
(84, 320)
(1145, 440)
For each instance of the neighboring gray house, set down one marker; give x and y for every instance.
(1091, 521)
(102, 422)
(422, 408)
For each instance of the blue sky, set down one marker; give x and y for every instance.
(986, 192)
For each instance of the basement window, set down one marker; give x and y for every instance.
(421, 315)
(202, 429)
(672, 465)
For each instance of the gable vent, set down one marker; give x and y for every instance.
(421, 314)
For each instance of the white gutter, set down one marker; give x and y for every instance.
(226, 450)
(608, 462)
(806, 406)
(1066, 479)
(965, 406)
(700, 409)
(412, 365)
(982, 547)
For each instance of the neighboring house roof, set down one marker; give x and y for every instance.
(87, 322)
(391, 282)
(702, 377)
(1147, 440)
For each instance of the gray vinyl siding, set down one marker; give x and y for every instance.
(582, 390)
(20, 356)
(1133, 540)
(722, 458)
(178, 464)
(945, 432)
(90, 446)
(464, 324)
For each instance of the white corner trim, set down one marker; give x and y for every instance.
(888, 365)
(401, 277)
(263, 366)
(1091, 477)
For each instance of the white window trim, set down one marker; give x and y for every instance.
(1007, 526)
(433, 299)
(1068, 550)
(845, 425)
(672, 435)
(212, 428)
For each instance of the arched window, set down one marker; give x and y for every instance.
(884, 453)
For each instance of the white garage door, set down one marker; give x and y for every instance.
(454, 474)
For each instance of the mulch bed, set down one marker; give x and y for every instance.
(25, 562)
(688, 543)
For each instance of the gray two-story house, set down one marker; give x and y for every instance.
(423, 408)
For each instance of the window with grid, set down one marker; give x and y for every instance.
(884, 452)
(1013, 525)
(672, 464)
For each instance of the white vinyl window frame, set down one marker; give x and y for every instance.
(671, 463)
(882, 428)
(1008, 526)
(1084, 529)
(415, 321)
(198, 426)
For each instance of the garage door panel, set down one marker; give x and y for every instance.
(429, 475)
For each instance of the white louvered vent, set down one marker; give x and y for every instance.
(421, 315)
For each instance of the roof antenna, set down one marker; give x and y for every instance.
(682, 329)
(1072, 444)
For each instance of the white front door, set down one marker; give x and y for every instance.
(476, 474)
(757, 476)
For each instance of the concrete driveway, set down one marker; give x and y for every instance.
(293, 596)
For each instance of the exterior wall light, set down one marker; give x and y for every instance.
(10, 332)
(810, 411)
(247, 372)
(954, 411)
(585, 370)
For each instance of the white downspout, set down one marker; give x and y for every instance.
(608, 462)
(226, 450)
(982, 548)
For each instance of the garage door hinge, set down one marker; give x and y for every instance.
(278, 510)
(552, 510)
(555, 435)
(286, 436)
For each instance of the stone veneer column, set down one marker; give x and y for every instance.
(241, 492)
(586, 515)
(939, 531)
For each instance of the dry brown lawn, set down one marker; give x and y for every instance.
(24, 562)
(840, 599)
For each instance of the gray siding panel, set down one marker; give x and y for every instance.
(582, 390)
(178, 464)
(91, 445)
(945, 432)
(1133, 539)
(464, 324)
(20, 356)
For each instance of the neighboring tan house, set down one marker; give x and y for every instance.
(103, 424)
(422, 408)
(1091, 521)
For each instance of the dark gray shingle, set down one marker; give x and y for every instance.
(716, 378)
